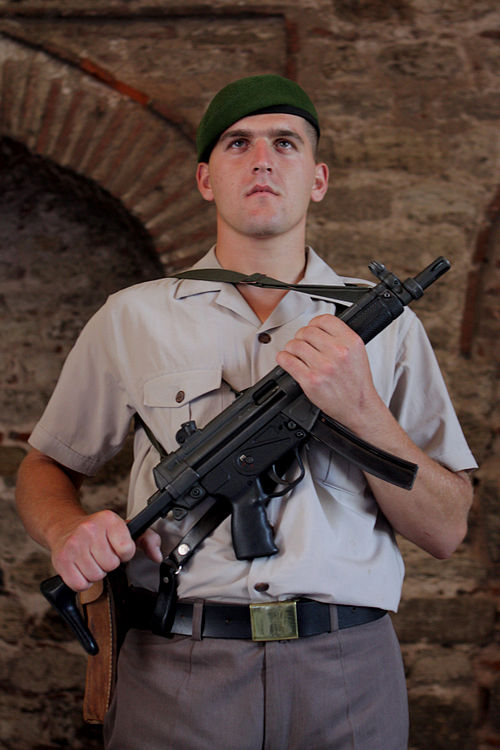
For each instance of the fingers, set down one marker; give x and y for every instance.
(93, 547)
(98, 544)
(120, 541)
(320, 350)
(330, 363)
(325, 335)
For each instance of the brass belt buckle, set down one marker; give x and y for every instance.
(275, 621)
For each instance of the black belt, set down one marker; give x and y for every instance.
(275, 621)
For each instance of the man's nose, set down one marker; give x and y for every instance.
(261, 157)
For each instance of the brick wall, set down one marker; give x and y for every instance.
(99, 107)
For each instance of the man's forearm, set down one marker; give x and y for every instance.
(47, 497)
(434, 513)
(83, 547)
(331, 365)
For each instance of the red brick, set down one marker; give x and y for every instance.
(48, 116)
(144, 186)
(129, 139)
(62, 139)
(141, 155)
(111, 133)
(88, 120)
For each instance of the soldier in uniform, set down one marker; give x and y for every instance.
(172, 350)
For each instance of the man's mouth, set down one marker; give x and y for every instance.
(261, 189)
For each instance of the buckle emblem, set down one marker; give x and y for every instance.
(274, 621)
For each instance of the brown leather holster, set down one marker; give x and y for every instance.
(103, 607)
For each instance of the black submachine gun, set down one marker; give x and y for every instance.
(234, 458)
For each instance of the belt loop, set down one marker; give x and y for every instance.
(197, 625)
(334, 618)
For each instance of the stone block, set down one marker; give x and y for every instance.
(13, 537)
(48, 720)
(27, 575)
(422, 60)
(428, 577)
(395, 148)
(10, 458)
(20, 721)
(363, 203)
(12, 626)
(438, 665)
(469, 154)
(373, 10)
(462, 619)
(44, 668)
(442, 722)
(494, 707)
(482, 106)
(433, 202)
(52, 627)
(489, 497)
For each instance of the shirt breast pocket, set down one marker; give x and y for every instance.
(172, 398)
(345, 481)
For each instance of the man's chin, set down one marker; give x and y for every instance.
(262, 231)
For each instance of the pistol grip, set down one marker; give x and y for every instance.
(253, 535)
(63, 599)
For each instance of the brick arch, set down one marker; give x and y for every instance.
(111, 137)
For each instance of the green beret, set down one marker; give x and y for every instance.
(251, 96)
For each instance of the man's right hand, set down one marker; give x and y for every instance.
(96, 545)
(90, 547)
(84, 548)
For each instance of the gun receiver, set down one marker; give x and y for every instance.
(237, 456)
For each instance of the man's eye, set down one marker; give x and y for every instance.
(238, 143)
(284, 143)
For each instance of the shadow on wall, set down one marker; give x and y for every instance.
(65, 245)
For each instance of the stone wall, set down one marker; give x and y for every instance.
(100, 102)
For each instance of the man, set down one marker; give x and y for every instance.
(175, 350)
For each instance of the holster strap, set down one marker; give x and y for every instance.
(100, 676)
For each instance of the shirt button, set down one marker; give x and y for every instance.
(180, 396)
(261, 587)
(264, 338)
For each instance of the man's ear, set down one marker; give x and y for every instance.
(203, 181)
(320, 185)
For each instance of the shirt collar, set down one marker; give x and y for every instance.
(293, 303)
(225, 294)
(189, 287)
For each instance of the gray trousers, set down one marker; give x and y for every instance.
(341, 690)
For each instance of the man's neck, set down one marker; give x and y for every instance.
(280, 258)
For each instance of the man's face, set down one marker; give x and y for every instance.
(262, 175)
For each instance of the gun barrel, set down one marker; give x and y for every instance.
(433, 271)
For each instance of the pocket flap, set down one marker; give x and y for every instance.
(175, 389)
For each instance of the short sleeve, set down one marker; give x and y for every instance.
(88, 415)
(422, 405)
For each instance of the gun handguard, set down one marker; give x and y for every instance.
(230, 456)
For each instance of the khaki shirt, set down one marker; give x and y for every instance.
(168, 349)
